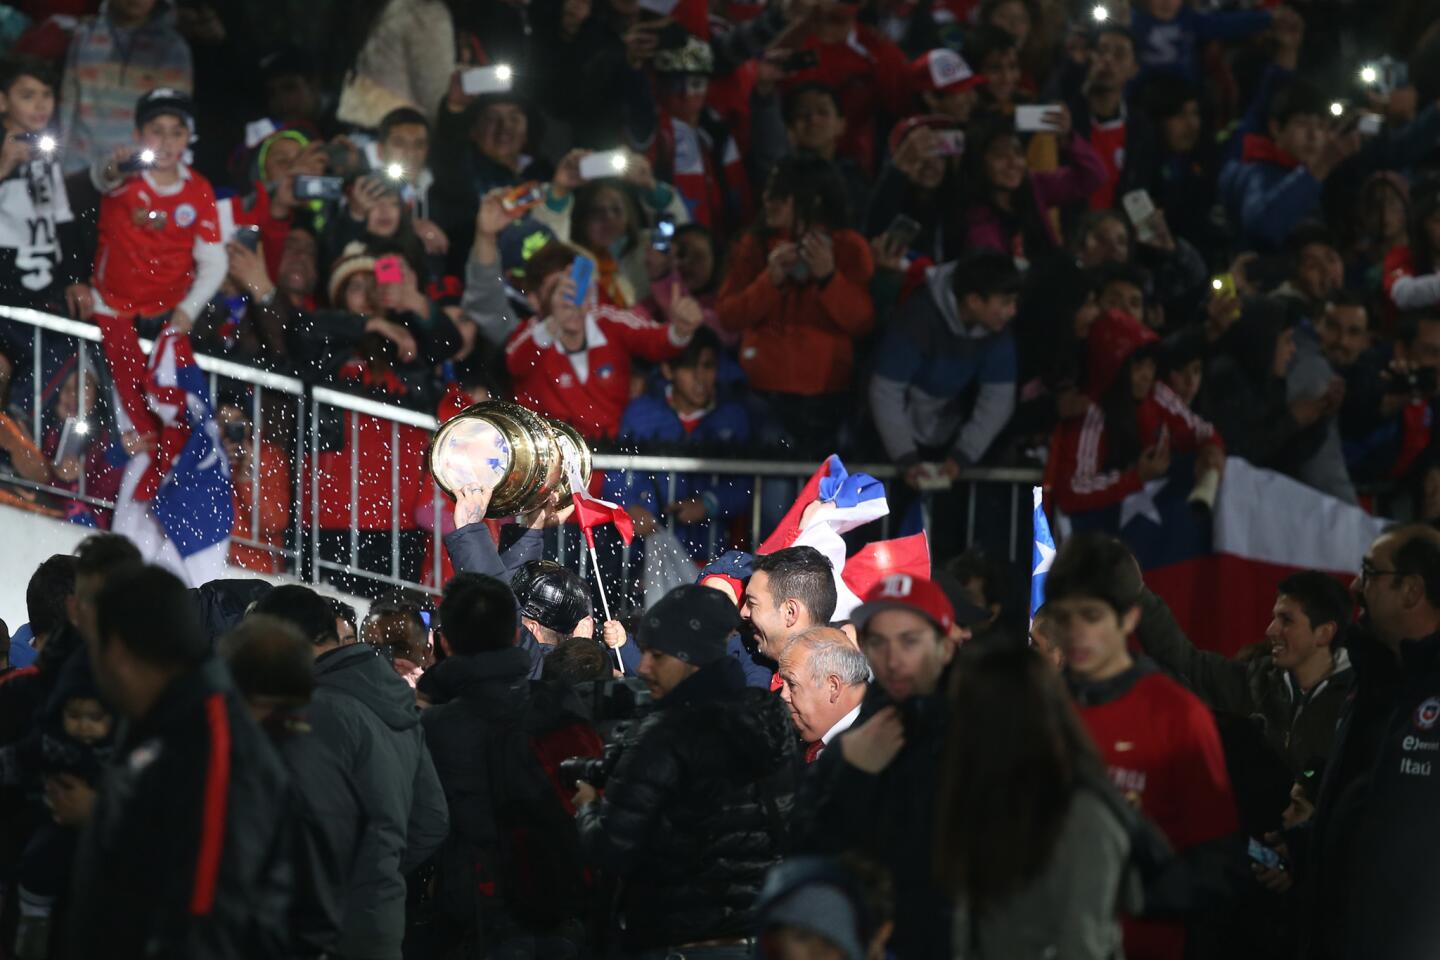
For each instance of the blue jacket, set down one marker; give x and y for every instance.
(649, 419)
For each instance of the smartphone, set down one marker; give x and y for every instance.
(41, 141)
(1370, 124)
(482, 80)
(902, 231)
(1138, 206)
(74, 435)
(1265, 856)
(663, 234)
(801, 60)
(139, 160)
(248, 236)
(949, 143)
(1032, 117)
(522, 198)
(319, 188)
(388, 270)
(606, 163)
(582, 272)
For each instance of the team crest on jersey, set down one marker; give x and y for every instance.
(565, 381)
(1428, 713)
(605, 371)
(184, 215)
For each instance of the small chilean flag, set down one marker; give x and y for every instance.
(592, 512)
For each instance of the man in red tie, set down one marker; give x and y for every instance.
(823, 678)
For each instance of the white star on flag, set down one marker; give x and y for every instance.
(1141, 503)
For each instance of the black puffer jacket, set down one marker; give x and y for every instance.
(697, 810)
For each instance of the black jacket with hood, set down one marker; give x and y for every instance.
(366, 716)
(696, 810)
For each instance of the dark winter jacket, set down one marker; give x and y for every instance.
(497, 738)
(1300, 725)
(472, 550)
(329, 822)
(1368, 879)
(888, 817)
(697, 810)
(187, 854)
(366, 716)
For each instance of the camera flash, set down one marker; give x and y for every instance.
(1216, 285)
(46, 144)
(82, 428)
(1100, 14)
(1337, 108)
(618, 162)
(502, 72)
(1368, 75)
(147, 156)
(395, 171)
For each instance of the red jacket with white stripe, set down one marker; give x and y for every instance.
(587, 389)
(1076, 472)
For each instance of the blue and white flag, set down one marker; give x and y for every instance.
(1041, 556)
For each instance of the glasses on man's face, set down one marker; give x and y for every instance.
(1368, 572)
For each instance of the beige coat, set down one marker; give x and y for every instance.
(406, 62)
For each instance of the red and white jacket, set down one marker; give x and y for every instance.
(587, 389)
(1076, 473)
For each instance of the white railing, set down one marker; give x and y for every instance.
(299, 552)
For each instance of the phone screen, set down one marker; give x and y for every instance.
(582, 272)
(388, 270)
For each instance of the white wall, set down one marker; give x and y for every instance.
(28, 539)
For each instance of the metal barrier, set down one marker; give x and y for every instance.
(294, 429)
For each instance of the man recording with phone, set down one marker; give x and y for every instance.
(695, 809)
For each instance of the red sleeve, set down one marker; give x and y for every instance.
(1398, 264)
(747, 296)
(522, 353)
(845, 300)
(638, 335)
(1188, 431)
(1196, 771)
(1078, 451)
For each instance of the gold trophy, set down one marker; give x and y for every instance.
(522, 456)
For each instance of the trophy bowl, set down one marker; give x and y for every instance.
(519, 454)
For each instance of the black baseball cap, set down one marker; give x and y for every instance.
(162, 101)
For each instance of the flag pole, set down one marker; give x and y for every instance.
(604, 602)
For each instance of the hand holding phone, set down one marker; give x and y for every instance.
(1040, 118)
(582, 272)
(481, 80)
(309, 187)
(522, 198)
(248, 236)
(606, 163)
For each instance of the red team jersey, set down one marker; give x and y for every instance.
(144, 263)
(1163, 752)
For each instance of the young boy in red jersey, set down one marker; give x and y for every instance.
(159, 256)
(1158, 739)
(573, 362)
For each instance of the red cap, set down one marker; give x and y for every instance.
(900, 591)
(941, 70)
(901, 130)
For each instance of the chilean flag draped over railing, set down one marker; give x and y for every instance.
(1219, 570)
(193, 502)
(832, 503)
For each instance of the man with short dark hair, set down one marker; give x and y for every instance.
(954, 333)
(789, 592)
(273, 669)
(1124, 139)
(823, 680)
(1157, 738)
(875, 795)
(47, 598)
(188, 849)
(497, 739)
(1365, 865)
(697, 806)
(1299, 686)
(367, 716)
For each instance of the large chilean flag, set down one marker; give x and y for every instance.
(1219, 571)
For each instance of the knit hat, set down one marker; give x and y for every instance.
(162, 101)
(900, 591)
(693, 57)
(690, 623)
(1112, 341)
(354, 259)
(942, 70)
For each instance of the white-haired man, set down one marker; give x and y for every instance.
(823, 679)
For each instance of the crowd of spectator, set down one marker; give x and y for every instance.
(1005, 232)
